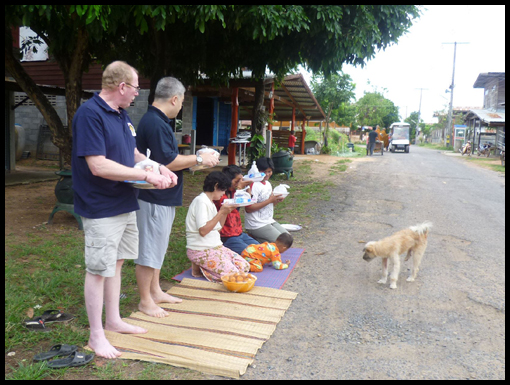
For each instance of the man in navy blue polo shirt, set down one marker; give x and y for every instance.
(104, 153)
(157, 207)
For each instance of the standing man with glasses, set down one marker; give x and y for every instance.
(103, 157)
(157, 207)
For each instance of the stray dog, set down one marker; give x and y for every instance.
(412, 240)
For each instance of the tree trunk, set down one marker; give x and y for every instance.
(159, 59)
(13, 66)
(257, 122)
(73, 76)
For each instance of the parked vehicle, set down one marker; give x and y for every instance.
(485, 149)
(466, 148)
(400, 134)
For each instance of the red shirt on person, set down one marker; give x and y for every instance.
(233, 226)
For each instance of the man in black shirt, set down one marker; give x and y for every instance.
(372, 137)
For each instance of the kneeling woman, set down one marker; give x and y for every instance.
(203, 224)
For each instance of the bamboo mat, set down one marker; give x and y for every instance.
(213, 330)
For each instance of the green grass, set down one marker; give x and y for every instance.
(46, 270)
(436, 146)
(486, 162)
(339, 166)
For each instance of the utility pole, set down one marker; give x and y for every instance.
(450, 111)
(419, 113)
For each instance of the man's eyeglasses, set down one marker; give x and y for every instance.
(135, 87)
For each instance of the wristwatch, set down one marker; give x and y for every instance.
(199, 159)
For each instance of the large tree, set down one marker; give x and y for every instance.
(374, 109)
(193, 41)
(74, 35)
(333, 93)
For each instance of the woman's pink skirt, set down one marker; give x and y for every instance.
(218, 262)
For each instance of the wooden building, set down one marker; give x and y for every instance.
(488, 124)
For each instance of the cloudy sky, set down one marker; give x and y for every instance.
(421, 60)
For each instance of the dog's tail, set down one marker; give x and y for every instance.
(422, 229)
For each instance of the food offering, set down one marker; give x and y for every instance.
(254, 175)
(202, 151)
(281, 190)
(239, 282)
(140, 183)
(241, 198)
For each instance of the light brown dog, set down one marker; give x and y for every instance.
(412, 240)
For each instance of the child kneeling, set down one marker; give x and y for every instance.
(258, 255)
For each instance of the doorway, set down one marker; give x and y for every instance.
(205, 121)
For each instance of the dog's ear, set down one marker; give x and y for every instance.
(369, 248)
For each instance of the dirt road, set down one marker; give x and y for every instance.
(448, 324)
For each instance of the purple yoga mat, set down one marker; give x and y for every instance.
(269, 277)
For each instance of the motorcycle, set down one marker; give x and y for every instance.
(466, 148)
(485, 149)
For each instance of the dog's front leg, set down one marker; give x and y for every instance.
(384, 276)
(394, 273)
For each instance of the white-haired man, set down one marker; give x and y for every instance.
(103, 157)
(157, 207)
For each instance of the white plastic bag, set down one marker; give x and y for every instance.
(281, 190)
(201, 151)
(254, 171)
(148, 165)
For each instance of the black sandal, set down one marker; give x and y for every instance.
(74, 359)
(50, 316)
(56, 351)
(37, 325)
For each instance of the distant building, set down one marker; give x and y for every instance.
(488, 124)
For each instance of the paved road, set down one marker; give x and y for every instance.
(448, 324)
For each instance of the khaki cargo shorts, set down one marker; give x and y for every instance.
(108, 240)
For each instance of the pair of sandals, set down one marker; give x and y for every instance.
(73, 357)
(49, 316)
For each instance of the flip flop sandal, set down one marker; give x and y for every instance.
(56, 351)
(36, 324)
(50, 316)
(74, 359)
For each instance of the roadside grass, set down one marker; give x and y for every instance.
(47, 272)
(436, 146)
(339, 166)
(487, 162)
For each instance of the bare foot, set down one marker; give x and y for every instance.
(125, 328)
(100, 345)
(165, 298)
(153, 310)
(195, 270)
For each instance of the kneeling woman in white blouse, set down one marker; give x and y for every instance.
(203, 224)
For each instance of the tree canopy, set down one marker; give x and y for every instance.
(374, 109)
(191, 42)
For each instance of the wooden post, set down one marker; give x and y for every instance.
(293, 123)
(271, 108)
(233, 126)
(303, 137)
(270, 123)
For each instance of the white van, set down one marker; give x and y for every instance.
(400, 133)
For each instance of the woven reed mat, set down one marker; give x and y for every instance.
(213, 330)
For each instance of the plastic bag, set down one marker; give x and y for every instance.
(253, 174)
(254, 171)
(281, 190)
(203, 150)
(242, 196)
(148, 165)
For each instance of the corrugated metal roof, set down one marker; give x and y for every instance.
(486, 76)
(292, 91)
(488, 116)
